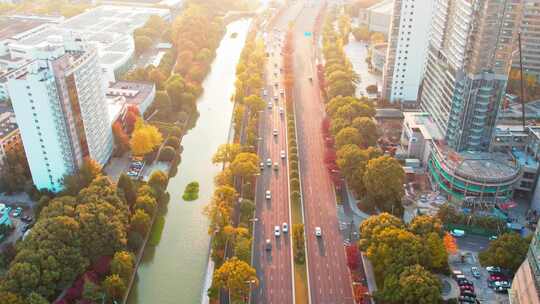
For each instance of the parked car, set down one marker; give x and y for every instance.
(277, 231)
(318, 231)
(457, 232)
(27, 219)
(25, 227)
(285, 227)
(463, 299)
(466, 287)
(467, 293)
(475, 272)
(462, 281)
(18, 211)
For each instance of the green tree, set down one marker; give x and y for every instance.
(352, 161)
(173, 141)
(419, 286)
(367, 129)
(142, 44)
(125, 183)
(226, 153)
(158, 181)
(348, 136)
(245, 164)
(242, 249)
(233, 275)
(14, 173)
(508, 251)
(167, 154)
(374, 225)
(123, 264)
(438, 256)
(10, 298)
(114, 286)
(298, 241)
(423, 225)
(384, 180)
(254, 103)
(146, 203)
(92, 291)
(140, 221)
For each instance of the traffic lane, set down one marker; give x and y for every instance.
(472, 243)
(334, 286)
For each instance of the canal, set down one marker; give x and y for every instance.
(173, 272)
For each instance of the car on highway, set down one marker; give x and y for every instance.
(493, 269)
(268, 245)
(265, 93)
(276, 97)
(281, 111)
(276, 166)
(277, 231)
(318, 231)
(285, 227)
(282, 154)
(276, 84)
(262, 166)
(475, 272)
(275, 132)
(269, 162)
(17, 212)
(281, 91)
(269, 105)
(268, 195)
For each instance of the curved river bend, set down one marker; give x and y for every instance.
(173, 272)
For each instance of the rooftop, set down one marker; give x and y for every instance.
(423, 122)
(513, 112)
(10, 26)
(134, 92)
(383, 7)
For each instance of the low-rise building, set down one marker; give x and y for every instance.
(139, 94)
(378, 56)
(380, 16)
(10, 137)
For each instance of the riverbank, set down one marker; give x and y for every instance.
(175, 268)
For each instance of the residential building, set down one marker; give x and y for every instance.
(379, 16)
(530, 38)
(407, 49)
(468, 60)
(378, 56)
(363, 13)
(526, 283)
(10, 137)
(60, 107)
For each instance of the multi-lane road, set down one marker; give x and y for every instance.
(274, 266)
(329, 277)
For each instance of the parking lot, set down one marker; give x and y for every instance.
(21, 223)
(469, 246)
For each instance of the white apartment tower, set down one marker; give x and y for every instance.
(60, 107)
(468, 60)
(407, 48)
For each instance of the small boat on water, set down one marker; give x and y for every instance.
(233, 35)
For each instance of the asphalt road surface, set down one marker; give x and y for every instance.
(329, 277)
(274, 267)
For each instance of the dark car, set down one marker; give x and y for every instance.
(501, 289)
(26, 218)
(467, 299)
(468, 293)
(464, 282)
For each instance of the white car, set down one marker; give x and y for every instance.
(268, 195)
(276, 98)
(262, 166)
(275, 132)
(270, 105)
(282, 154)
(285, 227)
(318, 232)
(281, 91)
(277, 231)
(265, 93)
(281, 111)
(269, 162)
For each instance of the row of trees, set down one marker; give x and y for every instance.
(351, 131)
(91, 220)
(150, 33)
(404, 257)
(240, 164)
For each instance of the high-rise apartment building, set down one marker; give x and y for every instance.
(60, 107)
(530, 38)
(468, 60)
(407, 48)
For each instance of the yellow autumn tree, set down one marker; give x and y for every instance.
(145, 139)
